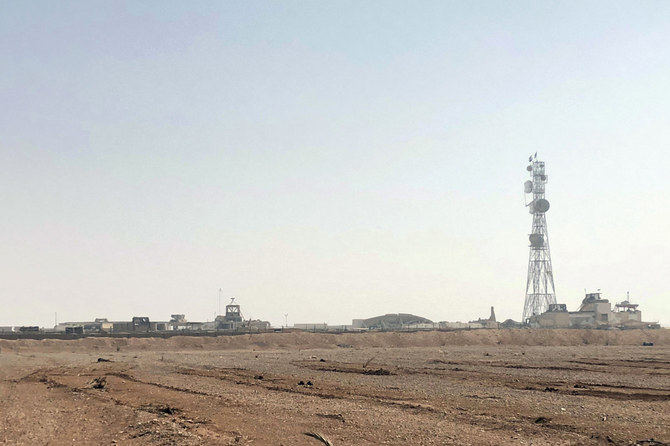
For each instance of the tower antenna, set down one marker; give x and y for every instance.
(540, 292)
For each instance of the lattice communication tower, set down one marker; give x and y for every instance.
(540, 291)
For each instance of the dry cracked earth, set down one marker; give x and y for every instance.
(410, 395)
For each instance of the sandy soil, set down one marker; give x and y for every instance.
(497, 387)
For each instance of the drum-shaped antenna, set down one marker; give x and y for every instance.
(536, 240)
(528, 187)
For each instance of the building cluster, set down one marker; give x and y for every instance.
(400, 322)
(594, 312)
(231, 321)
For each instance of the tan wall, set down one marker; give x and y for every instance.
(554, 320)
(604, 307)
(582, 319)
(622, 317)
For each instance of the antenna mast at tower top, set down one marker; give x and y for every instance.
(540, 291)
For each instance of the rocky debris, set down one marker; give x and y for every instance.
(98, 383)
(161, 409)
(163, 432)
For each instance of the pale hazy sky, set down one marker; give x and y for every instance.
(329, 160)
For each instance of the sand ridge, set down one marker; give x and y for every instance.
(308, 340)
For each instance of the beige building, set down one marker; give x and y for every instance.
(595, 312)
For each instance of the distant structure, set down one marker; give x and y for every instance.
(594, 312)
(232, 319)
(141, 324)
(176, 319)
(485, 323)
(540, 293)
(393, 321)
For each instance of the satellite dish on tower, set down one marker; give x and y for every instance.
(541, 206)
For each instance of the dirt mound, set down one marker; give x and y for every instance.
(306, 340)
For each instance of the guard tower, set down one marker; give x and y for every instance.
(233, 313)
(540, 293)
(232, 319)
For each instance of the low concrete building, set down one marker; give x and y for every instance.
(258, 325)
(358, 324)
(556, 317)
(342, 327)
(422, 326)
(318, 326)
(81, 327)
(74, 329)
(627, 314)
(454, 325)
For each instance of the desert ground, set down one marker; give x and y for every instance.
(483, 387)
